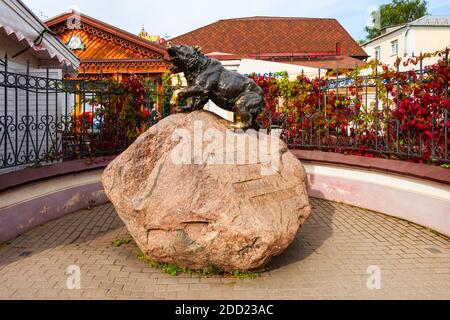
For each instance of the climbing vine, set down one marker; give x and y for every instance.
(373, 111)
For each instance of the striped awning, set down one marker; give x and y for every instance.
(22, 26)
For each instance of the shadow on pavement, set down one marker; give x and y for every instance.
(79, 229)
(316, 230)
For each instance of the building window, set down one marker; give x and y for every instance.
(377, 53)
(394, 48)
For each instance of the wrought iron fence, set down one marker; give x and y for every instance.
(404, 117)
(44, 119)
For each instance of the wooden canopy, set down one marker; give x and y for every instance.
(106, 50)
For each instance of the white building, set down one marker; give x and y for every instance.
(29, 54)
(425, 35)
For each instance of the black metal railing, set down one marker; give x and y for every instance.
(362, 115)
(44, 119)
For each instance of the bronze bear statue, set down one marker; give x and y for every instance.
(207, 80)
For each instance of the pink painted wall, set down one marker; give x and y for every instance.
(411, 205)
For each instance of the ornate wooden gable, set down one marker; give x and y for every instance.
(105, 49)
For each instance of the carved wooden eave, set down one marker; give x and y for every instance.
(109, 49)
(123, 66)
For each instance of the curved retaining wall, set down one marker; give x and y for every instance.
(417, 193)
(414, 192)
(28, 206)
(420, 201)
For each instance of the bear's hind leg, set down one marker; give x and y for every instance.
(247, 110)
(242, 120)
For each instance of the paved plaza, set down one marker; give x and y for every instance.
(328, 260)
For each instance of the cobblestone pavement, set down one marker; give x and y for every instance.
(328, 260)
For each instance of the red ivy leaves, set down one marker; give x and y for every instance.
(135, 87)
(416, 106)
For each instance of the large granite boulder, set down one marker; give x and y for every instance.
(193, 193)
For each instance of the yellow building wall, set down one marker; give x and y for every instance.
(418, 39)
(432, 38)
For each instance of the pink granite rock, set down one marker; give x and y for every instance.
(195, 194)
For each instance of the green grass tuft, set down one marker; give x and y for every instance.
(120, 242)
(245, 274)
(174, 270)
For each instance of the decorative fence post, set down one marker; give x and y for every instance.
(4, 136)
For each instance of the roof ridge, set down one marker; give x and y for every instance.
(276, 18)
(249, 34)
(431, 18)
(251, 18)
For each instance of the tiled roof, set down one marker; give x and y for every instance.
(258, 35)
(432, 21)
(223, 56)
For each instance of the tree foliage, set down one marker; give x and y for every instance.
(395, 13)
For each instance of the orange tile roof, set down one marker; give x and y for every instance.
(257, 35)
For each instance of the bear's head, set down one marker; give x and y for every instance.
(185, 58)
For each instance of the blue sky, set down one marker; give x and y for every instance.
(175, 17)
